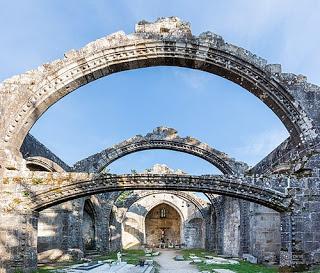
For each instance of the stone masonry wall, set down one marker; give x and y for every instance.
(192, 228)
(60, 230)
(231, 227)
(264, 234)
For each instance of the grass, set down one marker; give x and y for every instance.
(197, 252)
(315, 270)
(242, 267)
(131, 256)
(55, 266)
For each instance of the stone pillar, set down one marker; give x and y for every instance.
(73, 241)
(210, 222)
(292, 255)
(218, 204)
(244, 227)
(18, 241)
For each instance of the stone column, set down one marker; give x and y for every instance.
(73, 235)
(292, 254)
(210, 223)
(244, 227)
(18, 241)
(218, 210)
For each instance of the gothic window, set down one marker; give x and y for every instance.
(163, 213)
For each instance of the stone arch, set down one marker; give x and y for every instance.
(133, 212)
(35, 91)
(70, 186)
(153, 205)
(44, 164)
(142, 211)
(184, 195)
(172, 229)
(161, 138)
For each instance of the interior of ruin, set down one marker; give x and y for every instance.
(52, 211)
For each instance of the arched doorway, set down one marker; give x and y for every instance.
(89, 226)
(163, 226)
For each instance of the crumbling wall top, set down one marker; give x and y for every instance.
(165, 26)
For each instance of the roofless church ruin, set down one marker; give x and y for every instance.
(52, 211)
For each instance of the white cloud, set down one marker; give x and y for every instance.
(194, 79)
(260, 145)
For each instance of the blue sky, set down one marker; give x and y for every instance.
(122, 105)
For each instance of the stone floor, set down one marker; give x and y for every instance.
(169, 265)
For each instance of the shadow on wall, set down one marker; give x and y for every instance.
(133, 233)
(89, 226)
(114, 231)
(139, 210)
(58, 233)
(18, 235)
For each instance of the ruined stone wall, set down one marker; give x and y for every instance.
(63, 229)
(264, 234)
(54, 234)
(194, 233)
(255, 230)
(32, 147)
(166, 228)
(192, 229)
(231, 227)
(115, 227)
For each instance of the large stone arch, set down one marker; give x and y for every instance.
(62, 187)
(168, 41)
(136, 195)
(161, 138)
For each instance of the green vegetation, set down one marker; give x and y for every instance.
(123, 197)
(197, 252)
(16, 201)
(37, 181)
(48, 269)
(242, 267)
(25, 193)
(315, 270)
(55, 266)
(131, 256)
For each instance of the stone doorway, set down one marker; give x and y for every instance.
(163, 226)
(89, 226)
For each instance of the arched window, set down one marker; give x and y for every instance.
(163, 213)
